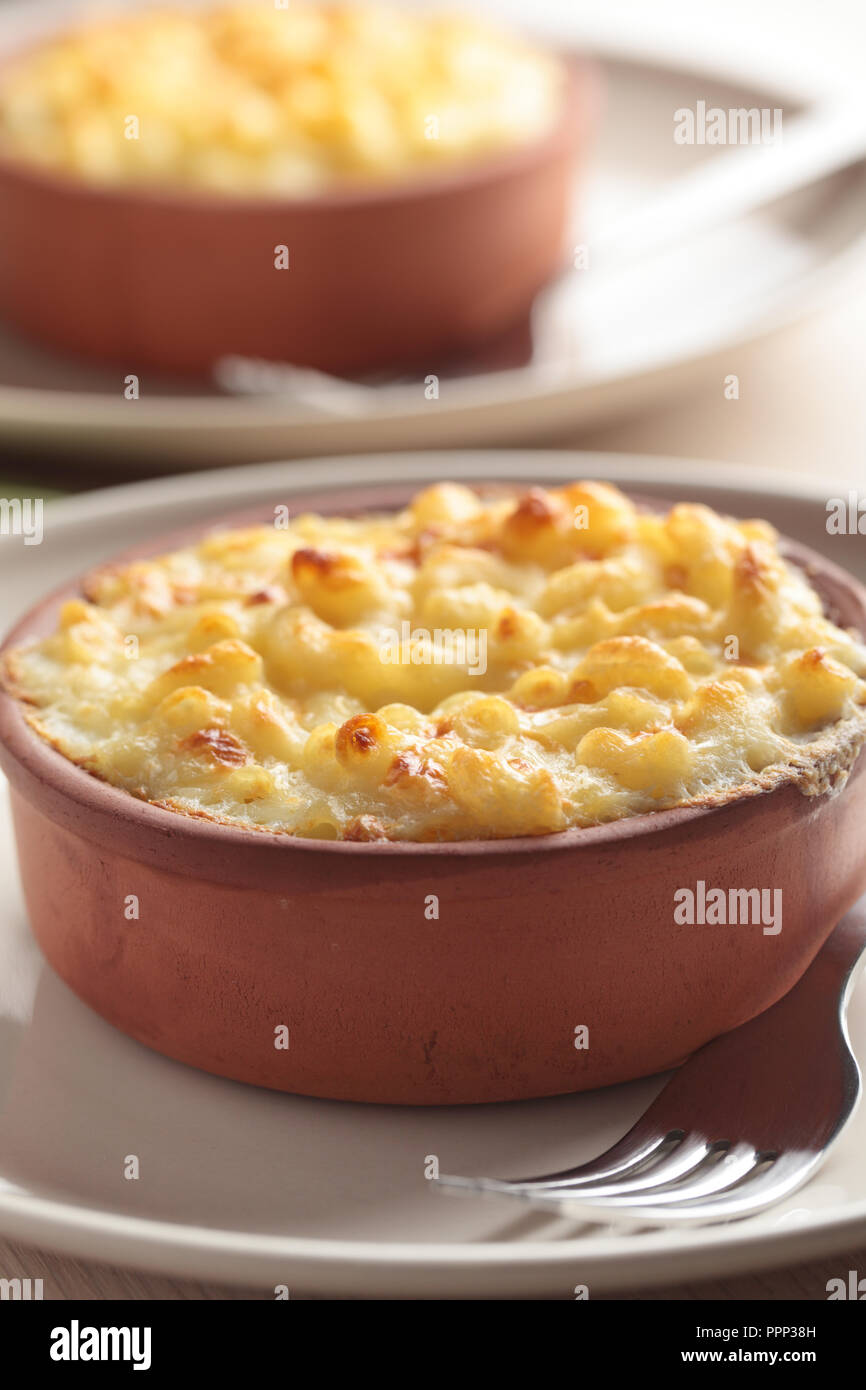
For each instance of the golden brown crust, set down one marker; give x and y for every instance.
(466, 668)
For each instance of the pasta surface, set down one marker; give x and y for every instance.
(473, 666)
(268, 99)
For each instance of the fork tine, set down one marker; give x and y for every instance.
(632, 1152)
(629, 1153)
(734, 1166)
(622, 1158)
(693, 1183)
(751, 1195)
(680, 1159)
(771, 1185)
(680, 1162)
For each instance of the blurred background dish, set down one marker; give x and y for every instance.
(600, 346)
(344, 186)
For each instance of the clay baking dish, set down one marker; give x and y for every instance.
(407, 274)
(240, 931)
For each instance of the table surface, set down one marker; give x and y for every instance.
(801, 410)
(65, 1278)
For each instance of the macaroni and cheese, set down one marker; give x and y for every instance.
(259, 99)
(473, 666)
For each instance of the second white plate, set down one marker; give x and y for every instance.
(600, 348)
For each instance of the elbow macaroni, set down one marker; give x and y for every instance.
(256, 99)
(632, 661)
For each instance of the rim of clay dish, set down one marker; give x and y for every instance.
(579, 104)
(50, 768)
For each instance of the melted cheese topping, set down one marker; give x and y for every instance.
(258, 99)
(467, 668)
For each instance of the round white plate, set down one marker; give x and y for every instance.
(244, 1185)
(601, 347)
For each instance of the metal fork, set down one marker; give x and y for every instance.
(744, 1123)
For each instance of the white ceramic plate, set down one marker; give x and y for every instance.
(601, 348)
(244, 1185)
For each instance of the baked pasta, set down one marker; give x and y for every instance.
(473, 666)
(274, 99)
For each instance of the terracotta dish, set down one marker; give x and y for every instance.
(406, 274)
(238, 933)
